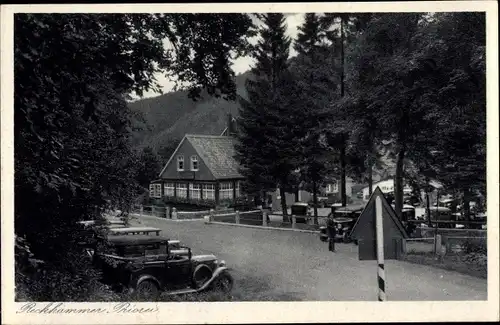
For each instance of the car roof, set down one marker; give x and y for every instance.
(350, 208)
(300, 204)
(135, 240)
(341, 220)
(136, 229)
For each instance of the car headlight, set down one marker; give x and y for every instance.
(222, 263)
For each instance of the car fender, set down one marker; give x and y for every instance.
(215, 274)
(148, 277)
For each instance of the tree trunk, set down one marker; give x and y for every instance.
(370, 178)
(315, 201)
(283, 202)
(398, 183)
(466, 206)
(428, 205)
(342, 91)
(343, 193)
(342, 54)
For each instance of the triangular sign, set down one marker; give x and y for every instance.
(364, 230)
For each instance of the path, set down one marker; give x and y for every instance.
(285, 265)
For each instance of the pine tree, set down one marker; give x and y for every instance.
(456, 43)
(268, 141)
(317, 81)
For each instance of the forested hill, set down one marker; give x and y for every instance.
(172, 115)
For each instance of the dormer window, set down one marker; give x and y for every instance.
(180, 163)
(194, 163)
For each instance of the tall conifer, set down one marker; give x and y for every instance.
(268, 142)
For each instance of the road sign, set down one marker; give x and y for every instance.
(379, 233)
(365, 230)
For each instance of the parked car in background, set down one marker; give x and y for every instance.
(147, 265)
(301, 212)
(344, 218)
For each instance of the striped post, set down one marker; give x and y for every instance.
(380, 250)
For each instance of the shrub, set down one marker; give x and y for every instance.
(476, 245)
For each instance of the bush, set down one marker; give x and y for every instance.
(476, 246)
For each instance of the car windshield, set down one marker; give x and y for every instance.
(141, 250)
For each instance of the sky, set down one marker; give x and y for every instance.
(240, 65)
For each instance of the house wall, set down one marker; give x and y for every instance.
(348, 188)
(304, 196)
(385, 186)
(187, 150)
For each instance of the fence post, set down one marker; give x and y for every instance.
(153, 211)
(142, 210)
(167, 212)
(403, 246)
(174, 213)
(237, 217)
(294, 221)
(438, 244)
(264, 218)
(211, 216)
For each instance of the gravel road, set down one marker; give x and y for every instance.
(285, 265)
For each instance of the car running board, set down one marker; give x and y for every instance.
(181, 292)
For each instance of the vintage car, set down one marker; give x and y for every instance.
(301, 212)
(146, 265)
(407, 213)
(90, 229)
(344, 218)
(343, 228)
(133, 231)
(349, 211)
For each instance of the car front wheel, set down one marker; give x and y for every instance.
(224, 282)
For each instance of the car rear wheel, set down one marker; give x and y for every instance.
(224, 282)
(147, 291)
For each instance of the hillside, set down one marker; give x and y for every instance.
(172, 115)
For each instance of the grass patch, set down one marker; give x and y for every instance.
(470, 264)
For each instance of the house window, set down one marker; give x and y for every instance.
(155, 190)
(226, 190)
(180, 163)
(332, 188)
(169, 189)
(195, 191)
(194, 163)
(209, 191)
(182, 190)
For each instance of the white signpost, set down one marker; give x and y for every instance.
(380, 249)
(380, 234)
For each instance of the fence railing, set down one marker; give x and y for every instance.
(265, 219)
(168, 212)
(442, 245)
(425, 232)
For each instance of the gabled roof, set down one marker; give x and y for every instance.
(216, 152)
(369, 213)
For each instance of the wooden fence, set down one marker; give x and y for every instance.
(168, 212)
(265, 219)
